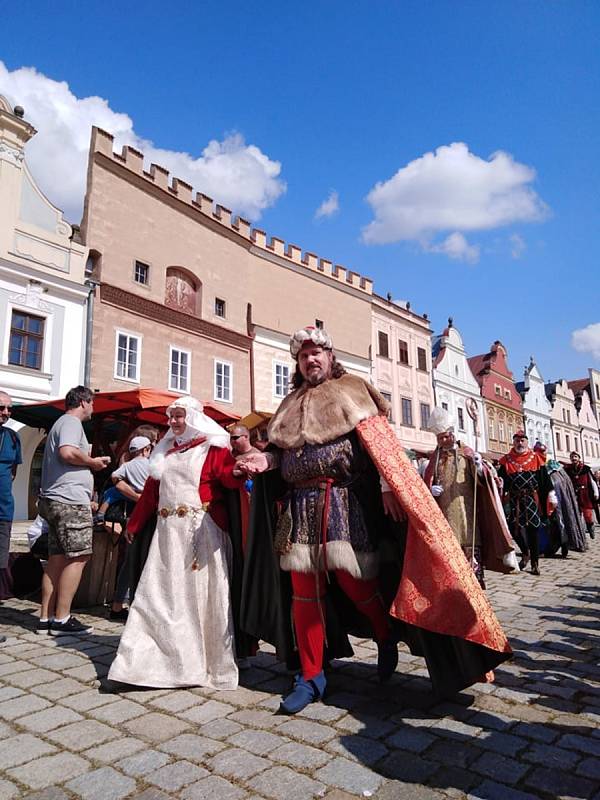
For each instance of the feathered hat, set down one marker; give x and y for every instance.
(318, 336)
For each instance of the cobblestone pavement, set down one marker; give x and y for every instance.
(534, 733)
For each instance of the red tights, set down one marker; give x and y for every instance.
(310, 635)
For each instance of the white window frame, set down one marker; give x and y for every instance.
(222, 300)
(215, 393)
(173, 349)
(286, 388)
(131, 335)
(147, 264)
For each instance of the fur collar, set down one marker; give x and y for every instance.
(320, 414)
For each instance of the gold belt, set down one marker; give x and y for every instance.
(182, 511)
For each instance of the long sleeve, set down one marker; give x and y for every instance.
(144, 508)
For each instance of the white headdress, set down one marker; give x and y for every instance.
(317, 336)
(440, 421)
(197, 423)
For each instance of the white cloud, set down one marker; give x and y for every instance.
(452, 191)
(237, 175)
(587, 340)
(456, 247)
(517, 245)
(329, 206)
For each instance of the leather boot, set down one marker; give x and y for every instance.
(303, 693)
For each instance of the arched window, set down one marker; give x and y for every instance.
(183, 291)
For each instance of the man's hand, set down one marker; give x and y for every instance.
(253, 464)
(392, 507)
(99, 463)
(128, 536)
(436, 490)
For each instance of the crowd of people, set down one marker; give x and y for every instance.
(327, 531)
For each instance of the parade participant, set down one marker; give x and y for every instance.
(10, 458)
(566, 524)
(180, 629)
(530, 495)
(330, 435)
(464, 490)
(585, 488)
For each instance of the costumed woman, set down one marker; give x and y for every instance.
(180, 629)
(321, 562)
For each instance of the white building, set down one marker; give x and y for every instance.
(588, 423)
(454, 385)
(537, 409)
(43, 299)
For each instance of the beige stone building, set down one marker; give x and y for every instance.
(565, 425)
(194, 300)
(588, 424)
(402, 367)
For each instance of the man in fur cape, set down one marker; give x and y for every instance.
(451, 476)
(335, 549)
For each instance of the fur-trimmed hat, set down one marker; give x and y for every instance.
(318, 336)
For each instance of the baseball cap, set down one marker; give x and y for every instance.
(138, 443)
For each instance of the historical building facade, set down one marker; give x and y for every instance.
(565, 424)
(454, 386)
(401, 370)
(43, 298)
(537, 409)
(502, 403)
(193, 300)
(589, 436)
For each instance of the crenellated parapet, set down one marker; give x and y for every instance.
(159, 177)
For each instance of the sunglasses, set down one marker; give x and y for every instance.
(5, 408)
(240, 436)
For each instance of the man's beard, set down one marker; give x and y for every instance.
(315, 378)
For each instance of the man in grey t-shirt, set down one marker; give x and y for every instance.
(65, 497)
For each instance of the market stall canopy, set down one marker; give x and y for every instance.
(255, 418)
(139, 405)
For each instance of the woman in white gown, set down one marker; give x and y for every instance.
(180, 626)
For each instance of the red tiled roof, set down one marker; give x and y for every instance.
(579, 385)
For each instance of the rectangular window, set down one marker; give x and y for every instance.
(568, 441)
(491, 429)
(318, 323)
(445, 406)
(461, 419)
(223, 381)
(501, 434)
(127, 361)
(141, 273)
(421, 359)
(179, 371)
(384, 348)
(564, 413)
(510, 433)
(558, 445)
(497, 389)
(26, 346)
(587, 452)
(568, 416)
(407, 418)
(219, 307)
(425, 411)
(507, 394)
(402, 351)
(281, 379)
(597, 391)
(387, 396)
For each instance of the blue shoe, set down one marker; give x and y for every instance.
(303, 693)
(387, 659)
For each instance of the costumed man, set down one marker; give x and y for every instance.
(346, 480)
(180, 627)
(530, 494)
(566, 528)
(586, 489)
(465, 492)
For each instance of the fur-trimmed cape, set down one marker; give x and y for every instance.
(322, 413)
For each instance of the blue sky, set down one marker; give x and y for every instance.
(343, 96)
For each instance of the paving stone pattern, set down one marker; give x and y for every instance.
(534, 733)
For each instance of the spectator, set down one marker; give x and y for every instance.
(10, 458)
(129, 481)
(239, 437)
(65, 497)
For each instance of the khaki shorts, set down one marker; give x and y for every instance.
(70, 528)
